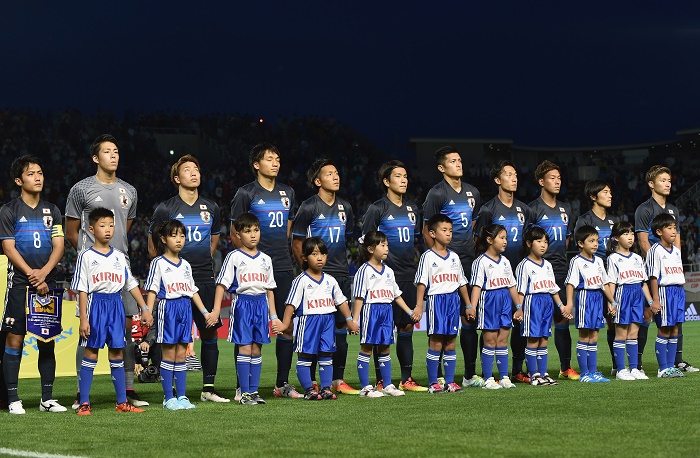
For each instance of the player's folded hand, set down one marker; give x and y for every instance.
(84, 329)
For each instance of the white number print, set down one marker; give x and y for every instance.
(404, 234)
(336, 237)
(276, 219)
(558, 234)
(37, 239)
(465, 219)
(194, 234)
(514, 231)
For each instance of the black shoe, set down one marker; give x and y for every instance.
(257, 398)
(326, 394)
(312, 395)
(133, 397)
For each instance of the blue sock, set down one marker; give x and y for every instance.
(593, 358)
(255, 369)
(117, 369)
(243, 371)
(10, 368)
(661, 344)
(431, 362)
(671, 349)
(325, 371)
(502, 361)
(632, 353)
(304, 372)
(87, 370)
(582, 356)
(385, 368)
(488, 354)
(167, 372)
(180, 374)
(619, 352)
(531, 360)
(363, 368)
(449, 364)
(542, 360)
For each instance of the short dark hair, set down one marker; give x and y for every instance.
(619, 229)
(99, 213)
(164, 229)
(20, 164)
(258, 152)
(498, 167)
(385, 172)
(583, 232)
(245, 220)
(544, 167)
(532, 233)
(592, 188)
(661, 221)
(308, 247)
(175, 169)
(437, 218)
(95, 147)
(655, 171)
(491, 231)
(442, 152)
(315, 169)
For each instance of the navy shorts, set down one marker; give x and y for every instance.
(14, 318)
(631, 301)
(672, 306)
(494, 310)
(537, 315)
(174, 321)
(315, 334)
(249, 320)
(345, 283)
(408, 294)
(376, 324)
(105, 313)
(589, 309)
(206, 294)
(442, 314)
(284, 281)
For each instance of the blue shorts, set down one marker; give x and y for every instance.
(537, 315)
(174, 321)
(495, 310)
(315, 334)
(105, 313)
(631, 301)
(249, 321)
(377, 324)
(672, 312)
(589, 309)
(442, 314)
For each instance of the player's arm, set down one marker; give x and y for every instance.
(469, 310)
(353, 327)
(420, 297)
(429, 242)
(567, 309)
(214, 243)
(38, 277)
(151, 247)
(357, 309)
(288, 314)
(8, 246)
(403, 306)
(82, 311)
(218, 298)
(72, 229)
(297, 244)
(146, 315)
(476, 291)
(517, 299)
(275, 321)
(609, 296)
(654, 290)
(128, 224)
(235, 239)
(644, 245)
(208, 317)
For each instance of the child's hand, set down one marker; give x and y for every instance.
(612, 310)
(84, 328)
(353, 327)
(277, 326)
(518, 315)
(655, 307)
(144, 346)
(470, 314)
(416, 315)
(566, 312)
(146, 318)
(209, 319)
(215, 316)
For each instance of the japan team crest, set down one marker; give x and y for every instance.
(342, 217)
(206, 217)
(472, 202)
(285, 202)
(521, 218)
(412, 217)
(124, 200)
(48, 221)
(565, 218)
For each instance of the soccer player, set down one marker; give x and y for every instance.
(329, 217)
(554, 216)
(598, 194)
(32, 239)
(399, 220)
(658, 179)
(274, 204)
(514, 215)
(202, 222)
(101, 274)
(461, 202)
(105, 190)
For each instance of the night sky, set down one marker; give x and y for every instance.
(557, 74)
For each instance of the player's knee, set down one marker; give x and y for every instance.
(14, 341)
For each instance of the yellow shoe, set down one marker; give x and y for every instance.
(339, 386)
(411, 385)
(569, 374)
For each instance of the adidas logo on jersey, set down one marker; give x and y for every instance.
(94, 263)
(309, 286)
(434, 264)
(321, 216)
(501, 218)
(243, 264)
(544, 217)
(168, 269)
(390, 217)
(261, 202)
(179, 216)
(23, 220)
(691, 313)
(98, 199)
(372, 277)
(452, 202)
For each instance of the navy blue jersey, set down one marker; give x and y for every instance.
(274, 209)
(514, 218)
(558, 224)
(330, 222)
(32, 230)
(603, 226)
(646, 212)
(201, 220)
(462, 208)
(401, 226)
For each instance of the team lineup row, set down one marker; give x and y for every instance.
(32, 238)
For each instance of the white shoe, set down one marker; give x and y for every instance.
(474, 382)
(51, 405)
(491, 384)
(624, 374)
(212, 396)
(16, 408)
(506, 383)
(441, 382)
(370, 392)
(638, 375)
(391, 390)
(237, 397)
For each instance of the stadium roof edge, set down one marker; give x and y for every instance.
(500, 141)
(592, 148)
(688, 131)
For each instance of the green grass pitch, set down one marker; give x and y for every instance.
(637, 418)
